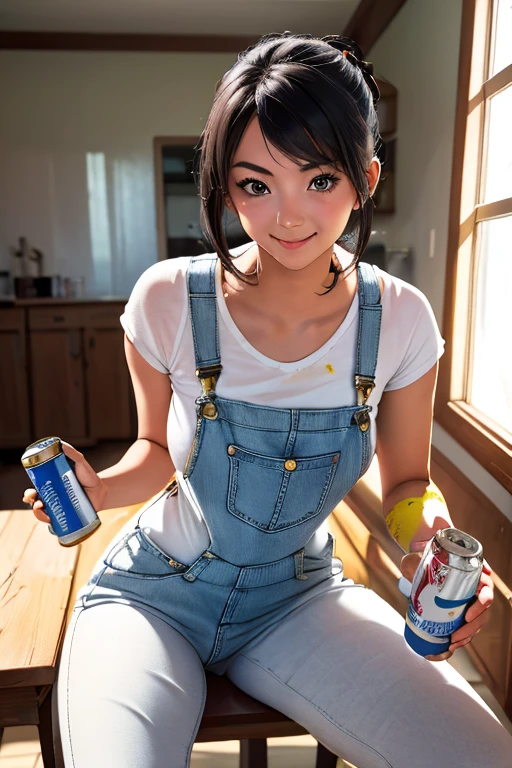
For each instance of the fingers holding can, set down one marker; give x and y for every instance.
(32, 498)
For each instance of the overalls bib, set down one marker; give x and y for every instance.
(265, 479)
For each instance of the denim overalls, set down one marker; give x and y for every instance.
(265, 479)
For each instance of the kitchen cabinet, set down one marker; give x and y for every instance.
(111, 404)
(86, 391)
(14, 394)
(77, 383)
(58, 387)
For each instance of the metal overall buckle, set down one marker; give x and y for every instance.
(364, 386)
(208, 376)
(363, 419)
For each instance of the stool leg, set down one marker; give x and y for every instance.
(324, 758)
(45, 731)
(253, 753)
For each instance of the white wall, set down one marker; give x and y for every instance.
(418, 53)
(76, 156)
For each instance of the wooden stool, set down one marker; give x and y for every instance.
(230, 714)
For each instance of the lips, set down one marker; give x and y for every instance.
(294, 241)
(292, 244)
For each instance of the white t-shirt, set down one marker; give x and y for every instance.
(157, 321)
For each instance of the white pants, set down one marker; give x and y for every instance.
(131, 689)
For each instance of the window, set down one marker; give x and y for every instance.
(474, 396)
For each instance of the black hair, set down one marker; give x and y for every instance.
(315, 101)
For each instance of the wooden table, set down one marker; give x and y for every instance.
(36, 575)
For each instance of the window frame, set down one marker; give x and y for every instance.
(484, 439)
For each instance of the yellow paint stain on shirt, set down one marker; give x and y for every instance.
(329, 368)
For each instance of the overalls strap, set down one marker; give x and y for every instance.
(370, 313)
(203, 314)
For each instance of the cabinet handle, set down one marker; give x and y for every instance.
(58, 318)
(92, 342)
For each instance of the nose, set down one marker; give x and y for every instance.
(289, 216)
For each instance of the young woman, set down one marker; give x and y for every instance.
(290, 365)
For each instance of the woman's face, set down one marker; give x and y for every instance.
(278, 200)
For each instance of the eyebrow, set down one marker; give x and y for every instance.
(259, 169)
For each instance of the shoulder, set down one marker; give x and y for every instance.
(160, 276)
(156, 313)
(411, 342)
(401, 299)
(164, 280)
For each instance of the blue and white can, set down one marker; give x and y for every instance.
(443, 588)
(73, 517)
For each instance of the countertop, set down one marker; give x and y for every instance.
(41, 301)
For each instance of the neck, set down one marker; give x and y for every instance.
(282, 291)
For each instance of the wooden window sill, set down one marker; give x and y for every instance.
(484, 439)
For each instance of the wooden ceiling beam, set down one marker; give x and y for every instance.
(369, 21)
(86, 41)
(365, 26)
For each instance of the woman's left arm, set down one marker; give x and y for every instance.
(404, 433)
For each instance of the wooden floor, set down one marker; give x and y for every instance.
(20, 749)
(20, 746)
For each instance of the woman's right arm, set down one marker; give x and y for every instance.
(146, 467)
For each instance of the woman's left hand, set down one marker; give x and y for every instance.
(477, 614)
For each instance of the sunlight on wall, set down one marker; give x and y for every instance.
(99, 222)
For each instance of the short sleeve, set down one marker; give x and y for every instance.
(156, 312)
(420, 339)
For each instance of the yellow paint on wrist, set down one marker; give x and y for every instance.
(406, 516)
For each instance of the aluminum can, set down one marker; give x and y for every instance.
(443, 588)
(73, 517)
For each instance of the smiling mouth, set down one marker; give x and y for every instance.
(294, 241)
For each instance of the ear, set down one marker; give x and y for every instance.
(373, 176)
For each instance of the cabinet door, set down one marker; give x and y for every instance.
(109, 389)
(14, 400)
(58, 388)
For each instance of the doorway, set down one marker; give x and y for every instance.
(178, 203)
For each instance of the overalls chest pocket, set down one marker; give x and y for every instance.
(277, 493)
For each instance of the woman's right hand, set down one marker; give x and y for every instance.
(92, 484)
